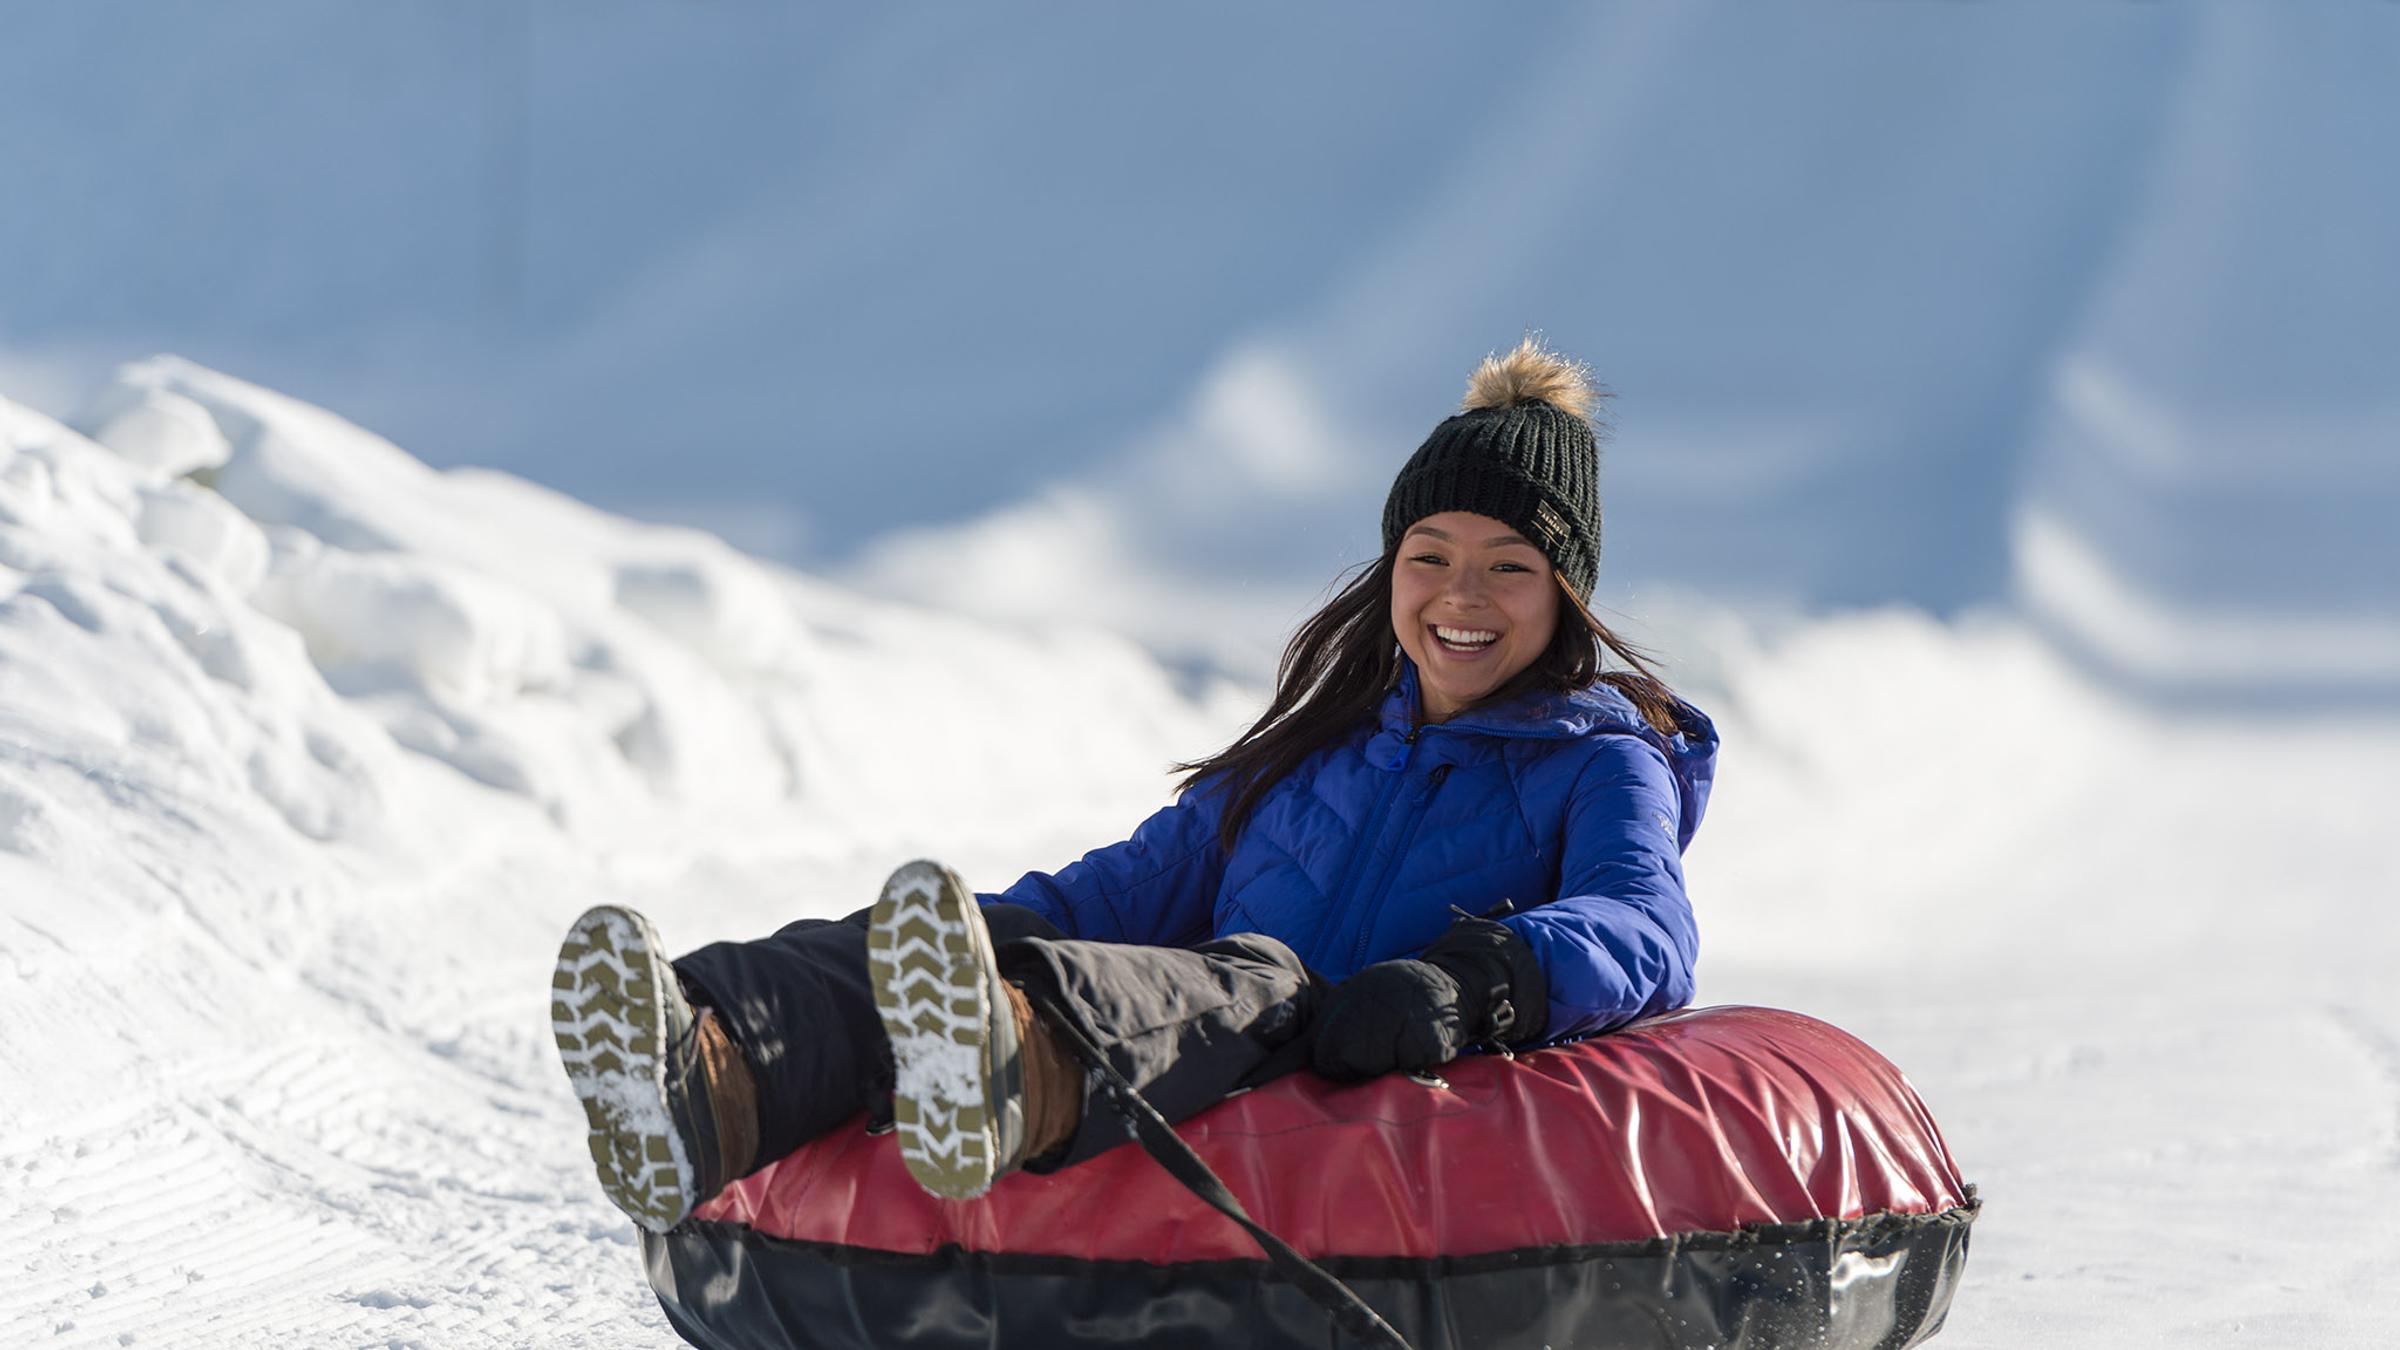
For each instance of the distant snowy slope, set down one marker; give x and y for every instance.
(2085, 309)
(2209, 472)
(2088, 307)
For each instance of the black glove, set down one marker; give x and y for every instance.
(1478, 983)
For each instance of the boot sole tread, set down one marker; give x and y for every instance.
(609, 1017)
(930, 991)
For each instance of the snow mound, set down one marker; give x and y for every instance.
(611, 674)
(309, 753)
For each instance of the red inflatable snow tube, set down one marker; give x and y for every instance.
(1732, 1177)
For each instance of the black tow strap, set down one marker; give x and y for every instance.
(1350, 1312)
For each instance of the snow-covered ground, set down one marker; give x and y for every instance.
(308, 753)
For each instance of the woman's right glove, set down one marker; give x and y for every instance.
(1479, 983)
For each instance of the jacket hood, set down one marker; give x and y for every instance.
(1597, 709)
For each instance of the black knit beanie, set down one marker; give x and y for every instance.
(1520, 450)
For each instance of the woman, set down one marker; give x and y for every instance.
(1450, 829)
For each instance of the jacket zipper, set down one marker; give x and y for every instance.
(1391, 862)
(1340, 900)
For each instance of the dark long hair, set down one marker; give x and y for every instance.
(1341, 662)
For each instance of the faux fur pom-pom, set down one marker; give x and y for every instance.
(1527, 373)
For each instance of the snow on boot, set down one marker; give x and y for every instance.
(958, 1098)
(631, 1045)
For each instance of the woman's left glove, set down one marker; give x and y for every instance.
(1479, 983)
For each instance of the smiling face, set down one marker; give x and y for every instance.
(1473, 603)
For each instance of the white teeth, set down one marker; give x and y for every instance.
(1465, 637)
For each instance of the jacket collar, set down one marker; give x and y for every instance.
(1596, 710)
(1541, 714)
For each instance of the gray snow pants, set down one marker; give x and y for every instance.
(1187, 1026)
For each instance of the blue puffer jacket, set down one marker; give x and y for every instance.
(1566, 807)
